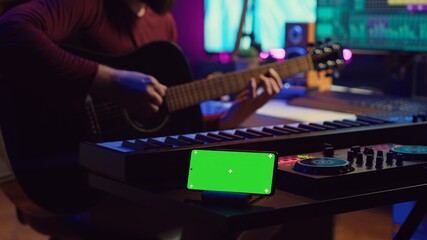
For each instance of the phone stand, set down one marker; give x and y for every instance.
(226, 198)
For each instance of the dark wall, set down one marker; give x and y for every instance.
(189, 15)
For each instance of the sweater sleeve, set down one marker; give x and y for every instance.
(211, 121)
(30, 57)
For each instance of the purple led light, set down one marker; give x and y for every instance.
(417, 7)
(278, 53)
(224, 57)
(347, 54)
(264, 55)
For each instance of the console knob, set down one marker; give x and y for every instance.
(379, 162)
(350, 156)
(328, 151)
(355, 149)
(389, 158)
(359, 158)
(368, 150)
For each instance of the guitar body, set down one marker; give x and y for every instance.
(166, 62)
(42, 136)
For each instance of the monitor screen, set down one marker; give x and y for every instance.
(266, 19)
(395, 25)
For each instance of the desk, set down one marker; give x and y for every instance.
(280, 208)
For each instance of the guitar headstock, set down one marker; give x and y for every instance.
(327, 56)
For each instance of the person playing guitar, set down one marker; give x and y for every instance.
(45, 87)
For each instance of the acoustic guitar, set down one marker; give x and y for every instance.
(166, 62)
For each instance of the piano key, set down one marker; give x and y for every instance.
(327, 127)
(351, 123)
(190, 140)
(160, 143)
(265, 134)
(362, 123)
(295, 129)
(275, 131)
(145, 144)
(176, 141)
(337, 125)
(247, 134)
(208, 139)
(223, 137)
(311, 127)
(237, 137)
(127, 144)
(371, 120)
(138, 145)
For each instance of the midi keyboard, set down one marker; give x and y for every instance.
(161, 163)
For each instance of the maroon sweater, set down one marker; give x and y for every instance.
(30, 33)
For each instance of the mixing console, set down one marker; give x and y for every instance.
(331, 173)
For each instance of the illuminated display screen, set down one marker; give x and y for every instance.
(232, 171)
(266, 19)
(373, 24)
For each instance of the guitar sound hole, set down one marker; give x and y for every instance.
(151, 125)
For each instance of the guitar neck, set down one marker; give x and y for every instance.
(186, 95)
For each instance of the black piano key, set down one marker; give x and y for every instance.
(335, 124)
(208, 139)
(220, 136)
(311, 127)
(236, 137)
(358, 122)
(137, 145)
(371, 120)
(145, 144)
(128, 144)
(160, 143)
(247, 134)
(176, 141)
(295, 129)
(275, 131)
(264, 134)
(351, 123)
(190, 140)
(327, 127)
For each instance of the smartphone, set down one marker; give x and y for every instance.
(235, 171)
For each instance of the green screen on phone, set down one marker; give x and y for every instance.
(232, 171)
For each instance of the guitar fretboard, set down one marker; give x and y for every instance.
(190, 94)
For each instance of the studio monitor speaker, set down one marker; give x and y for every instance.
(297, 38)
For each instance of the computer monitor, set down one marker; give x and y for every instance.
(266, 19)
(385, 25)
